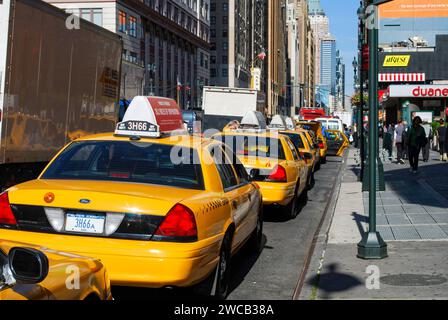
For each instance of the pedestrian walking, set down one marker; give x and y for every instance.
(428, 134)
(405, 140)
(399, 130)
(417, 139)
(443, 143)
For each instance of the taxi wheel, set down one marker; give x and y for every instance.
(291, 210)
(255, 243)
(324, 160)
(223, 274)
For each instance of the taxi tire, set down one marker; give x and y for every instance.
(221, 287)
(324, 160)
(291, 209)
(255, 242)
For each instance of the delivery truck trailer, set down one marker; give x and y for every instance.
(222, 105)
(59, 80)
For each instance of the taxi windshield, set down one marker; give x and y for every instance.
(254, 146)
(138, 162)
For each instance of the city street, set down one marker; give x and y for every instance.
(274, 274)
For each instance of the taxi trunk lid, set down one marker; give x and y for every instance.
(141, 207)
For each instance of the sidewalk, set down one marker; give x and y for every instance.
(412, 217)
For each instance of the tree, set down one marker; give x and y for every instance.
(356, 101)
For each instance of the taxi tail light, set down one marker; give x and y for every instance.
(321, 145)
(6, 215)
(278, 174)
(178, 223)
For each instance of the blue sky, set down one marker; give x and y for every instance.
(344, 27)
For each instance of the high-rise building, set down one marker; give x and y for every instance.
(238, 36)
(294, 44)
(320, 25)
(315, 8)
(306, 54)
(277, 53)
(165, 43)
(327, 87)
(340, 82)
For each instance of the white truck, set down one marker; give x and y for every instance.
(222, 105)
(56, 84)
(345, 116)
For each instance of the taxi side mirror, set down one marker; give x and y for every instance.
(307, 156)
(254, 174)
(28, 266)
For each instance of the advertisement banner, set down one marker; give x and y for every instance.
(414, 9)
(418, 91)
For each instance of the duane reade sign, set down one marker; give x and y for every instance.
(418, 91)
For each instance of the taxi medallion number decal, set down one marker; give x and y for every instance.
(84, 223)
(140, 126)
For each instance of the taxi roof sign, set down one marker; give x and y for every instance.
(254, 120)
(278, 122)
(150, 117)
(289, 123)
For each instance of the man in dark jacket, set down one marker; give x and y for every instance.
(417, 139)
(442, 133)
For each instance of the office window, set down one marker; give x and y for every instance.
(212, 7)
(132, 26)
(224, 59)
(225, 72)
(225, 20)
(225, 45)
(224, 33)
(225, 7)
(213, 59)
(213, 21)
(212, 72)
(122, 21)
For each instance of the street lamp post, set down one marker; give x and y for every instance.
(361, 16)
(372, 246)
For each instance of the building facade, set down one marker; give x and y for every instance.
(165, 44)
(277, 54)
(293, 80)
(306, 54)
(238, 35)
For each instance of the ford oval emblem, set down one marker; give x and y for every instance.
(84, 201)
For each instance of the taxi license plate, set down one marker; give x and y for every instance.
(84, 223)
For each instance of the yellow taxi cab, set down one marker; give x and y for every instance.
(300, 141)
(337, 142)
(285, 126)
(317, 128)
(159, 207)
(271, 160)
(28, 272)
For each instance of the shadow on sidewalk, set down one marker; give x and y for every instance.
(333, 281)
(359, 219)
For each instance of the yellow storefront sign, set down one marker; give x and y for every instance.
(396, 61)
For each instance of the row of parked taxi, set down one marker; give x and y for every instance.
(152, 206)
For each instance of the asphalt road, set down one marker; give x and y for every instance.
(274, 273)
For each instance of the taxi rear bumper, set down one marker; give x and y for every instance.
(277, 193)
(133, 262)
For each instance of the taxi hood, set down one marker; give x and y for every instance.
(99, 196)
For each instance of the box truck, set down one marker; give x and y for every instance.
(56, 83)
(222, 105)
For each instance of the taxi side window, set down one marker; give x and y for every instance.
(294, 152)
(225, 169)
(237, 165)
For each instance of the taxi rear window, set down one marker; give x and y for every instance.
(254, 146)
(124, 161)
(296, 139)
